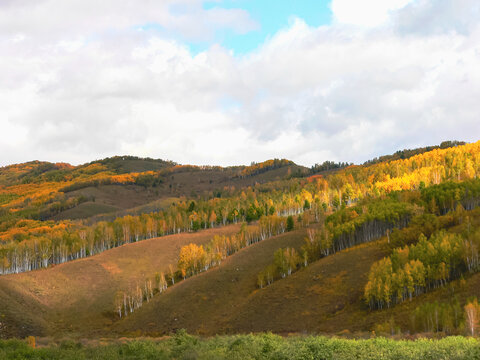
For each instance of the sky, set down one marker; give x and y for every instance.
(229, 82)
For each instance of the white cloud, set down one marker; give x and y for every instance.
(368, 13)
(51, 20)
(87, 85)
(438, 16)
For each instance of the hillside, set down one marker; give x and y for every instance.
(77, 241)
(177, 185)
(77, 297)
(42, 190)
(325, 297)
(227, 300)
(206, 303)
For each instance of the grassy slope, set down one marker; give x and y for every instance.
(85, 210)
(20, 314)
(313, 299)
(226, 299)
(206, 303)
(78, 296)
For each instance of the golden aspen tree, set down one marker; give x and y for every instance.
(472, 314)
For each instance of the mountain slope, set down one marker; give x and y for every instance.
(78, 296)
(207, 302)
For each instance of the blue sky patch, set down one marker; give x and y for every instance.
(271, 15)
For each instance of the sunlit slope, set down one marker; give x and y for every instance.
(78, 296)
(207, 303)
(321, 297)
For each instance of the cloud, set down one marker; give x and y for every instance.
(438, 16)
(367, 13)
(51, 20)
(86, 85)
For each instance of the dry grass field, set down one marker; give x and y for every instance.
(77, 297)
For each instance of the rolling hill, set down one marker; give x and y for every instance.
(114, 185)
(74, 239)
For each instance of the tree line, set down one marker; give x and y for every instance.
(285, 262)
(194, 259)
(24, 249)
(446, 317)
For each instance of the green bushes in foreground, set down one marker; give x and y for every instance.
(263, 346)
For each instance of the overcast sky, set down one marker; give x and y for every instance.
(235, 81)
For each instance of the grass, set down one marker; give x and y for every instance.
(77, 297)
(85, 210)
(208, 303)
(116, 197)
(146, 208)
(324, 297)
(260, 346)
